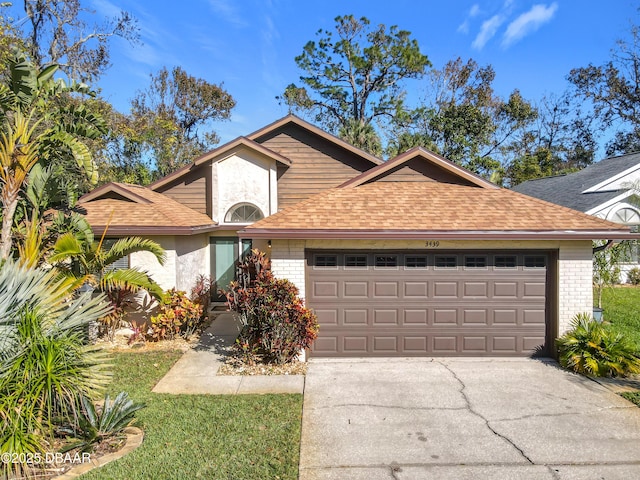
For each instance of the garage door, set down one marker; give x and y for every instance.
(424, 303)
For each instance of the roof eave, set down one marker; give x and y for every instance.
(126, 230)
(438, 235)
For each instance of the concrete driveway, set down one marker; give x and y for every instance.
(463, 419)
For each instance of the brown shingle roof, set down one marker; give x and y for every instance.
(141, 211)
(428, 207)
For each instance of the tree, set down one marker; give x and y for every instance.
(560, 140)
(167, 119)
(355, 78)
(55, 31)
(37, 129)
(463, 119)
(606, 265)
(614, 91)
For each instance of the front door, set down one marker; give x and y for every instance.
(225, 253)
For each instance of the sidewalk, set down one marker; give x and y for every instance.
(196, 371)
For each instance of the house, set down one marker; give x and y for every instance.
(412, 256)
(606, 189)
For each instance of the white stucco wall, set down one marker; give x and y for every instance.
(575, 292)
(244, 177)
(192, 259)
(187, 257)
(165, 276)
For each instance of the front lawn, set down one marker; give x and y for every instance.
(622, 308)
(204, 436)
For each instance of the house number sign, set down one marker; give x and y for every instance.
(432, 243)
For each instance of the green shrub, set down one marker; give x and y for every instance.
(178, 316)
(633, 276)
(98, 424)
(45, 366)
(592, 348)
(275, 323)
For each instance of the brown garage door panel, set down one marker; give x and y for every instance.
(419, 343)
(454, 303)
(429, 314)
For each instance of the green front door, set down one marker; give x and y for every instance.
(224, 255)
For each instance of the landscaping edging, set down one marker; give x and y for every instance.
(134, 440)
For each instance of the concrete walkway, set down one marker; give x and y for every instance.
(196, 371)
(459, 419)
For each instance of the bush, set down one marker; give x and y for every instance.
(178, 316)
(45, 365)
(633, 276)
(102, 423)
(201, 292)
(275, 323)
(592, 348)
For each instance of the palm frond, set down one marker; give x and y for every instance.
(130, 279)
(66, 247)
(125, 246)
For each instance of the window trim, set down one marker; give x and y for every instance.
(231, 211)
(505, 267)
(445, 267)
(416, 256)
(326, 256)
(388, 256)
(356, 255)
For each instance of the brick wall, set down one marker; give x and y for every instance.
(575, 267)
(287, 261)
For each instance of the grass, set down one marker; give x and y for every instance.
(622, 308)
(203, 436)
(632, 397)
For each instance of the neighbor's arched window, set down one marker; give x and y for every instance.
(626, 216)
(243, 213)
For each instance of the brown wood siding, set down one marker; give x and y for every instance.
(317, 164)
(417, 170)
(192, 190)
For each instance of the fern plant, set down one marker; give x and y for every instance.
(592, 348)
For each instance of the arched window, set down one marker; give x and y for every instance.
(626, 216)
(243, 213)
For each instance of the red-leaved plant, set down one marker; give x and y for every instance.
(276, 325)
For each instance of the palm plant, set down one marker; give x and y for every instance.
(86, 260)
(37, 129)
(591, 348)
(45, 366)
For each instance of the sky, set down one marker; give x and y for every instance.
(249, 45)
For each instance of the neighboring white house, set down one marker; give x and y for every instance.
(606, 189)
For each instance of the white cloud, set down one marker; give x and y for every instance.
(474, 11)
(487, 31)
(528, 22)
(227, 10)
(106, 8)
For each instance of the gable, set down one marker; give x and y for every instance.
(621, 181)
(420, 162)
(192, 189)
(417, 170)
(317, 162)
